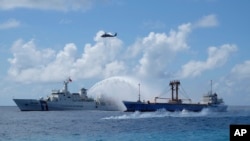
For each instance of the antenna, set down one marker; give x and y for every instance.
(139, 95)
(211, 86)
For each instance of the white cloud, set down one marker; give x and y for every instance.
(95, 58)
(26, 55)
(217, 56)
(60, 5)
(235, 84)
(175, 41)
(207, 21)
(100, 60)
(148, 57)
(114, 68)
(30, 64)
(156, 50)
(11, 23)
(241, 71)
(61, 65)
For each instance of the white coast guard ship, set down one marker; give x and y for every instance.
(64, 100)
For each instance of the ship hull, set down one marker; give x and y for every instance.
(151, 107)
(28, 104)
(41, 105)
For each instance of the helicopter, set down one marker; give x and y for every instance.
(108, 35)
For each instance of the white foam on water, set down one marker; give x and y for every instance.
(160, 114)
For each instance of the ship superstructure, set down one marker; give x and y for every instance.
(64, 100)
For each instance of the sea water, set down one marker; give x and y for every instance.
(119, 126)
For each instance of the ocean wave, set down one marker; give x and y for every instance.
(160, 114)
(233, 111)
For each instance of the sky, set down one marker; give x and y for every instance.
(195, 41)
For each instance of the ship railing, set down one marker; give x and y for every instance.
(170, 99)
(155, 100)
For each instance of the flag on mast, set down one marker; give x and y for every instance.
(70, 80)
